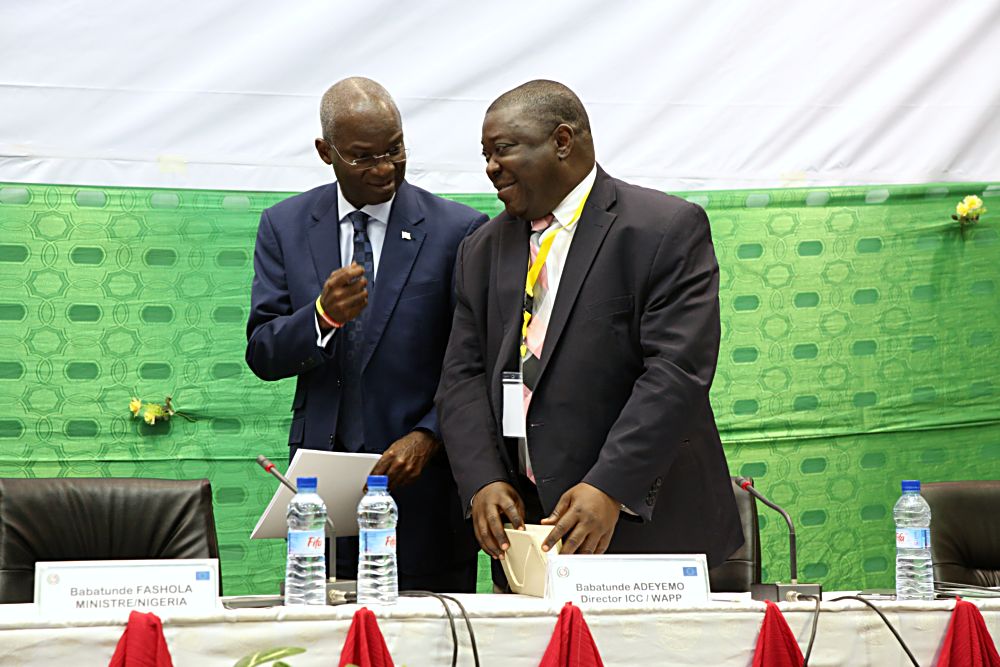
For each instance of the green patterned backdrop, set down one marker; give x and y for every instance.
(859, 347)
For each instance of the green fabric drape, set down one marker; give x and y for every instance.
(860, 347)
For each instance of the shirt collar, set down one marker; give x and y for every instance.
(567, 207)
(379, 212)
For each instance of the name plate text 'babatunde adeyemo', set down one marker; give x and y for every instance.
(115, 588)
(654, 581)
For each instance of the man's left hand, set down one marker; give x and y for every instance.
(584, 518)
(405, 459)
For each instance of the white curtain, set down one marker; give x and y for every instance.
(687, 94)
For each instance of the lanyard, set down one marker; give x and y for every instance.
(543, 252)
(536, 269)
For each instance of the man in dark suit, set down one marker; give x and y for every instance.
(353, 295)
(576, 392)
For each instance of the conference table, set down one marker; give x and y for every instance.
(511, 630)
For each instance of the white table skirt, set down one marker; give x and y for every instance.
(510, 631)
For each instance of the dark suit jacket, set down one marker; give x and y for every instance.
(405, 337)
(630, 351)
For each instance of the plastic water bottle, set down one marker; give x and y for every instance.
(914, 569)
(377, 514)
(305, 571)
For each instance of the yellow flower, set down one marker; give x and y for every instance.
(969, 209)
(149, 416)
(973, 202)
(135, 405)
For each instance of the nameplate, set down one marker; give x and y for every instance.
(116, 587)
(652, 581)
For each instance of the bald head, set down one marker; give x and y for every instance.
(362, 140)
(353, 98)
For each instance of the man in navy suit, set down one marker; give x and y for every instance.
(352, 295)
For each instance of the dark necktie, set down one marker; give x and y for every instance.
(351, 422)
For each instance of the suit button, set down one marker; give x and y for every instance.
(331, 439)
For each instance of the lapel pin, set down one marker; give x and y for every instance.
(406, 236)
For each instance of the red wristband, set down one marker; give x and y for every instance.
(326, 318)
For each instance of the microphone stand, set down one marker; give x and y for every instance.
(778, 591)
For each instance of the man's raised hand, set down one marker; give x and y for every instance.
(345, 294)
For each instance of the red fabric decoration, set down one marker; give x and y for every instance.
(364, 645)
(571, 644)
(776, 645)
(967, 643)
(142, 644)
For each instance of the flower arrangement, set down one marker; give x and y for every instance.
(154, 412)
(968, 210)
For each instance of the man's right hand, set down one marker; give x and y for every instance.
(345, 295)
(494, 500)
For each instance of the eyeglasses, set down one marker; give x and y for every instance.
(394, 156)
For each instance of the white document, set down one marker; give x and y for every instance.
(340, 480)
(525, 562)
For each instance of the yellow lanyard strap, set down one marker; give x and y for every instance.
(543, 251)
(536, 268)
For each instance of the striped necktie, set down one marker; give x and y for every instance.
(534, 333)
(350, 422)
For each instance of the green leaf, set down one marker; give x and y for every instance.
(262, 657)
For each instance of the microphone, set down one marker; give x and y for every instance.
(266, 464)
(778, 591)
(331, 538)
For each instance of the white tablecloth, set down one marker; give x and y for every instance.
(510, 631)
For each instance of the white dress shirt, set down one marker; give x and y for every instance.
(554, 264)
(555, 261)
(377, 224)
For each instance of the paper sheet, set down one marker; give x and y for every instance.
(340, 477)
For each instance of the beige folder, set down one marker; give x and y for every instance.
(525, 562)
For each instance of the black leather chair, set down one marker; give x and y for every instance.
(99, 519)
(965, 531)
(741, 569)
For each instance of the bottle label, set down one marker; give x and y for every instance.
(377, 541)
(913, 538)
(305, 542)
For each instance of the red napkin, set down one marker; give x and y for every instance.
(776, 645)
(142, 644)
(571, 644)
(967, 643)
(364, 645)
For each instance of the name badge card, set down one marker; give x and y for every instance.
(652, 581)
(112, 588)
(513, 406)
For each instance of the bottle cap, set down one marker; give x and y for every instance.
(911, 485)
(377, 481)
(305, 484)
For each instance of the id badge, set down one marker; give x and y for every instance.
(513, 406)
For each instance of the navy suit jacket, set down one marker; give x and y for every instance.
(622, 396)
(406, 333)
